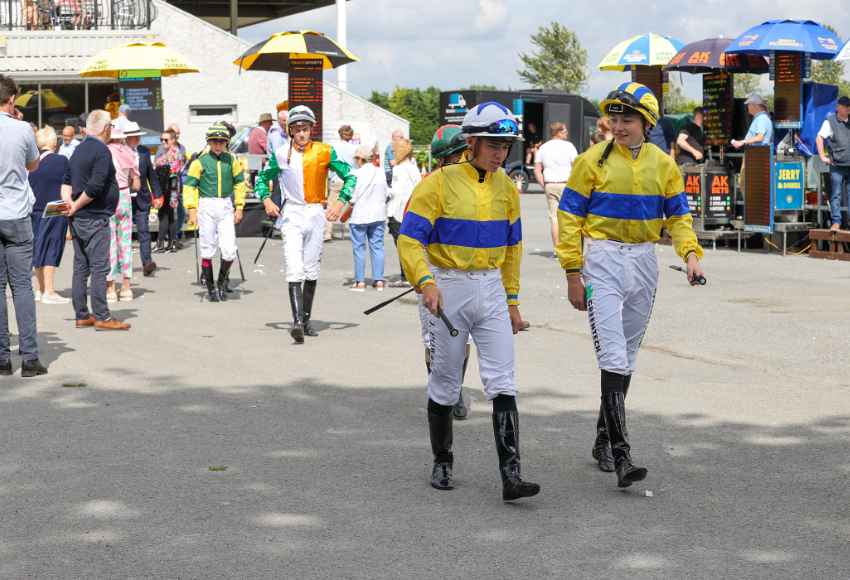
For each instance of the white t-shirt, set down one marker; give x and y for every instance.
(406, 177)
(825, 130)
(370, 196)
(557, 156)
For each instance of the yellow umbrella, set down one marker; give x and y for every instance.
(642, 50)
(275, 52)
(137, 56)
(50, 101)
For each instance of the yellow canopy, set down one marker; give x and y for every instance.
(50, 100)
(275, 52)
(137, 56)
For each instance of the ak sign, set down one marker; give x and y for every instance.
(788, 182)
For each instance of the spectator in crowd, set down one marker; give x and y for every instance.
(368, 218)
(18, 154)
(149, 194)
(603, 131)
(180, 212)
(277, 133)
(552, 166)
(169, 164)
(345, 149)
(663, 135)
(833, 143)
(123, 113)
(532, 141)
(48, 233)
(761, 127)
(389, 161)
(406, 177)
(175, 132)
(691, 140)
(69, 142)
(258, 137)
(126, 162)
(91, 192)
(113, 104)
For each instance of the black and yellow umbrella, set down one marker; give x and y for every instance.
(50, 101)
(274, 53)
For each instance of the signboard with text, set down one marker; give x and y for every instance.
(718, 101)
(758, 190)
(142, 92)
(786, 70)
(305, 88)
(788, 182)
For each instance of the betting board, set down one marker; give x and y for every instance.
(306, 88)
(142, 92)
(718, 101)
(758, 193)
(786, 70)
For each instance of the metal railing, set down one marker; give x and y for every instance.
(76, 14)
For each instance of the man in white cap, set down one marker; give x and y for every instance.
(149, 191)
(761, 127)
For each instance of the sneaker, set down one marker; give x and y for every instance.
(358, 287)
(400, 284)
(38, 295)
(833, 228)
(111, 296)
(32, 368)
(54, 298)
(379, 285)
(126, 295)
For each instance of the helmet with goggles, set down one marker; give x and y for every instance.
(632, 98)
(301, 114)
(492, 120)
(448, 140)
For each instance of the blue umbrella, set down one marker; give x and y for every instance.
(804, 36)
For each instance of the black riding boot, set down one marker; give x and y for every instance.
(224, 279)
(506, 432)
(209, 280)
(296, 300)
(440, 428)
(614, 411)
(309, 294)
(602, 446)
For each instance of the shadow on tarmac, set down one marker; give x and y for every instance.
(312, 480)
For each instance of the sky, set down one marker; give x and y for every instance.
(456, 43)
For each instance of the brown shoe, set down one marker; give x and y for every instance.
(111, 324)
(86, 322)
(149, 268)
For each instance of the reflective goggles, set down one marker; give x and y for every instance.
(506, 127)
(627, 102)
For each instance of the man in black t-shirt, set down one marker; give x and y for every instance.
(691, 141)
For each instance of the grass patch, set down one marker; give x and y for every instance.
(73, 385)
(217, 468)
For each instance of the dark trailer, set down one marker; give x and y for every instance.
(535, 109)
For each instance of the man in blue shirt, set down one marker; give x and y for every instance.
(761, 127)
(18, 154)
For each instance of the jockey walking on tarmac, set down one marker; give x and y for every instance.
(302, 166)
(618, 197)
(214, 195)
(460, 244)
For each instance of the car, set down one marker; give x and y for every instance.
(522, 175)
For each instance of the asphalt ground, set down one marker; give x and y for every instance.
(203, 444)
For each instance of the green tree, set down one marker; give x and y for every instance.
(676, 102)
(559, 62)
(745, 84)
(420, 107)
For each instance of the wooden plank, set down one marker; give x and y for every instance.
(830, 235)
(845, 257)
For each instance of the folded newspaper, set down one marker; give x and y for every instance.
(54, 209)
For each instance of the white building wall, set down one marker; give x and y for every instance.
(212, 50)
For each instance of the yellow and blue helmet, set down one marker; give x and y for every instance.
(632, 97)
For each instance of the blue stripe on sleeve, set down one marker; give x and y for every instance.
(472, 233)
(515, 233)
(417, 227)
(626, 206)
(676, 205)
(573, 202)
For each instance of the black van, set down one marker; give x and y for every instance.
(535, 109)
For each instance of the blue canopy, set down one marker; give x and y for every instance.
(804, 36)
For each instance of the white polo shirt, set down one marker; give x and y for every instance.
(556, 156)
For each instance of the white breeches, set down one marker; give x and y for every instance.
(303, 228)
(621, 280)
(216, 228)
